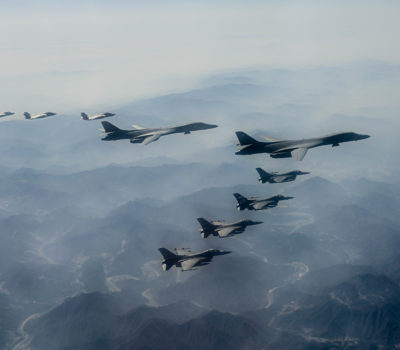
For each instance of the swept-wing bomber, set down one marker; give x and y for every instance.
(186, 260)
(144, 135)
(6, 114)
(274, 177)
(253, 203)
(295, 149)
(84, 116)
(223, 229)
(38, 116)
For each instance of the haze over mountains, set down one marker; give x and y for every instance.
(81, 221)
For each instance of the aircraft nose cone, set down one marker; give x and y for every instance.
(212, 126)
(223, 252)
(362, 137)
(257, 222)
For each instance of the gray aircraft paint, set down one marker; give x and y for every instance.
(222, 229)
(38, 116)
(253, 203)
(186, 260)
(6, 114)
(274, 177)
(146, 136)
(84, 116)
(295, 149)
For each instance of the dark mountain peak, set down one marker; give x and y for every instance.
(366, 289)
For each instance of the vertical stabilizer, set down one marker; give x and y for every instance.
(207, 228)
(242, 202)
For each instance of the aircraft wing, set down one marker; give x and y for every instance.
(299, 153)
(261, 205)
(191, 263)
(151, 138)
(225, 232)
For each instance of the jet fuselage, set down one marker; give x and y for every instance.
(283, 149)
(113, 133)
(278, 177)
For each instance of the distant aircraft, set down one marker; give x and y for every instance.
(253, 203)
(184, 259)
(223, 229)
(295, 149)
(146, 136)
(38, 116)
(274, 178)
(6, 114)
(84, 116)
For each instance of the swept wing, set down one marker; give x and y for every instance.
(191, 263)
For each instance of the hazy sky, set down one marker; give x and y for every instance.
(76, 54)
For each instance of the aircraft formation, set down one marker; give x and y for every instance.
(296, 149)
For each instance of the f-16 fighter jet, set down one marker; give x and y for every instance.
(253, 203)
(38, 116)
(274, 178)
(186, 260)
(295, 149)
(146, 136)
(6, 114)
(84, 116)
(223, 229)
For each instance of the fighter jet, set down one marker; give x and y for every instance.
(143, 135)
(6, 114)
(253, 203)
(274, 177)
(223, 229)
(186, 260)
(84, 116)
(295, 149)
(38, 116)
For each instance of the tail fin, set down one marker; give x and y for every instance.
(84, 116)
(167, 254)
(206, 227)
(108, 127)
(262, 172)
(169, 258)
(245, 139)
(27, 115)
(242, 201)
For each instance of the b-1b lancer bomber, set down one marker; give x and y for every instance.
(223, 229)
(253, 203)
(187, 260)
(84, 116)
(6, 114)
(274, 177)
(38, 116)
(295, 149)
(144, 135)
